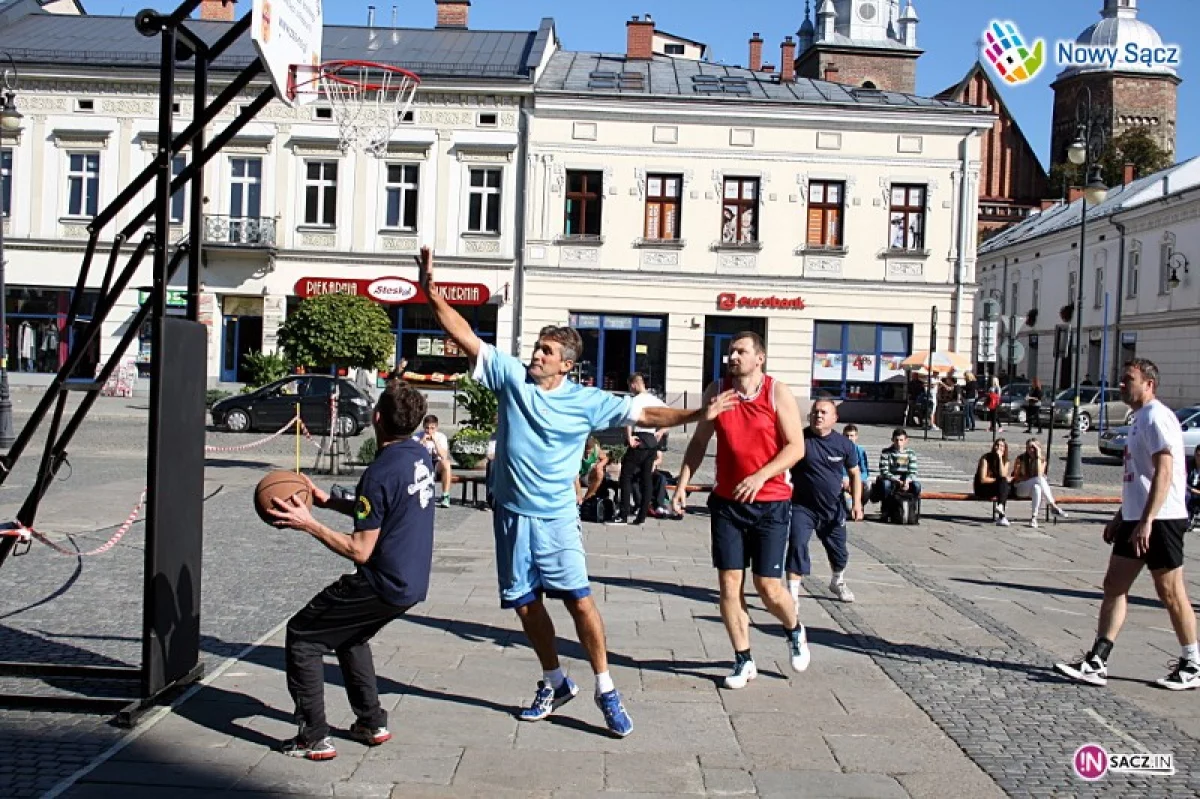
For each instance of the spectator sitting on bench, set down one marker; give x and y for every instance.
(435, 442)
(1029, 481)
(850, 431)
(593, 470)
(897, 469)
(1193, 489)
(991, 479)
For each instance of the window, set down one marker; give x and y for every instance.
(664, 194)
(1098, 299)
(488, 120)
(825, 202)
(483, 209)
(6, 166)
(739, 220)
(673, 49)
(402, 192)
(1036, 302)
(1014, 298)
(585, 192)
(616, 345)
(320, 193)
(245, 187)
(1166, 250)
(179, 198)
(853, 360)
(1071, 288)
(83, 184)
(1135, 263)
(907, 218)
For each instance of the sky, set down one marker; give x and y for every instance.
(949, 32)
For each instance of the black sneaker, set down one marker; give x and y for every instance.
(318, 750)
(1184, 674)
(620, 520)
(1090, 669)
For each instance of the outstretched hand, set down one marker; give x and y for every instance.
(425, 268)
(725, 401)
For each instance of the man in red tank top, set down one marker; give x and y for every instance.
(758, 441)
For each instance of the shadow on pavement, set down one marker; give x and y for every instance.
(1074, 593)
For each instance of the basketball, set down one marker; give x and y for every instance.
(281, 484)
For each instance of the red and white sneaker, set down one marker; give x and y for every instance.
(370, 736)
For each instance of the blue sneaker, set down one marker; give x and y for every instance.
(615, 715)
(547, 700)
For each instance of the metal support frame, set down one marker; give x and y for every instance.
(179, 43)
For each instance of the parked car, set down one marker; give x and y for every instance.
(1012, 402)
(270, 407)
(1112, 442)
(1116, 412)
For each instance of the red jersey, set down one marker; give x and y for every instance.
(748, 438)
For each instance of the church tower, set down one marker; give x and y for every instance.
(868, 43)
(1128, 95)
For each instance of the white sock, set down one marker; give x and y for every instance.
(604, 683)
(554, 678)
(1192, 652)
(838, 576)
(794, 587)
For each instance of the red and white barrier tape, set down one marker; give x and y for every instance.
(260, 442)
(23, 534)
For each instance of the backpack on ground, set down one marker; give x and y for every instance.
(902, 508)
(600, 508)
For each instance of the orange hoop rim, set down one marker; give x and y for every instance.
(329, 70)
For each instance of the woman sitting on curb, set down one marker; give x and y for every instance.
(991, 479)
(1029, 481)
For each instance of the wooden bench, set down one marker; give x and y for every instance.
(703, 488)
(473, 480)
(958, 496)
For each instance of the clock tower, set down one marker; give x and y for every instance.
(863, 43)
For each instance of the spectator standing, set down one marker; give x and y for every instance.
(970, 395)
(637, 465)
(1033, 406)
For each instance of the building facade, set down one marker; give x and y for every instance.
(1141, 288)
(672, 205)
(289, 214)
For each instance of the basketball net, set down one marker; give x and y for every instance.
(368, 101)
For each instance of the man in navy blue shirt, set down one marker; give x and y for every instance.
(817, 505)
(392, 545)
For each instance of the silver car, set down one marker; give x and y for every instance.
(1115, 411)
(1112, 442)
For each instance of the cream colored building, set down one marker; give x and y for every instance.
(288, 214)
(673, 203)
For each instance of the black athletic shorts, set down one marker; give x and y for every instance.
(750, 535)
(1166, 543)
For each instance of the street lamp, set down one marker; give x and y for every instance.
(1084, 151)
(1177, 261)
(10, 121)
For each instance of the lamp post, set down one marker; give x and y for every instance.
(10, 121)
(1085, 151)
(1177, 261)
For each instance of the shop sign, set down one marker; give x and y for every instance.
(391, 290)
(175, 299)
(737, 302)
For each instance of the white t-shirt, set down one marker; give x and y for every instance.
(436, 446)
(647, 400)
(1154, 429)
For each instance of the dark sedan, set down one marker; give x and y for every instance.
(270, 407)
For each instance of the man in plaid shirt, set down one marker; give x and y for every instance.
(897, 469)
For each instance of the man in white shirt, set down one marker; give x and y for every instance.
(1147, 531)
(435, 441)
(638, 462)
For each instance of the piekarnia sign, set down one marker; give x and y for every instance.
(733, 302)
(392, 290)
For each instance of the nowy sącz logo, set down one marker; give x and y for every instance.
(1092, 762)
(1005, 49)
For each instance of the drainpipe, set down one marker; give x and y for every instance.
(964, 220)
(1116, 350)
(518, 295)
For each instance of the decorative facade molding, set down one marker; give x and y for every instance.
(394, 242)
(468, 155)
(482, 246)
(326, 241)
(81, 139)
(580, 255)
(319, 148)
(659, 260)
(905, 269)
(823, 266)
(738, 263)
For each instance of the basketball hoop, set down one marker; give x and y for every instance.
(368, 100)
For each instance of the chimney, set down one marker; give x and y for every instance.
(787, 65)
(756, 44)
(1048, 204)
(1130, 174)
(218, 10)
(370, 16)
(452, 13)
(1074, 193)
(831, 72)
(768, 68)
(640, 34)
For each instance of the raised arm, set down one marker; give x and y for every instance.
(451, 320)
(712, 407)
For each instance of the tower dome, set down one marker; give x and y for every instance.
(1118, 28)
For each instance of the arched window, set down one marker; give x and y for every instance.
(869, 84)
(1165, 251)
(1135, 264)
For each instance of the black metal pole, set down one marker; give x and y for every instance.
(7, 436)
(1073, 477)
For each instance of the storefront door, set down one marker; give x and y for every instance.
(239, 335)
(719, 331)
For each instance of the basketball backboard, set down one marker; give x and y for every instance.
(287, 34)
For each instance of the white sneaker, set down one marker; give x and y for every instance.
(1059, 512)
(798, 651)
(1033, 523)
(1003, 521)
(742, 673)
(1184, 674)
(841, 590)
(1090, 670)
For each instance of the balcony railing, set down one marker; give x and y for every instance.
(240, 231)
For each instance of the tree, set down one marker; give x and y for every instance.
(1135, 146)
(339, 329)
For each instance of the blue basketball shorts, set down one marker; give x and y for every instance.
(538, 556)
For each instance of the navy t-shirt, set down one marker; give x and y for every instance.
(395, 496)
(817, 477)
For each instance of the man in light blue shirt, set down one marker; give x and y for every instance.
(544, 422)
